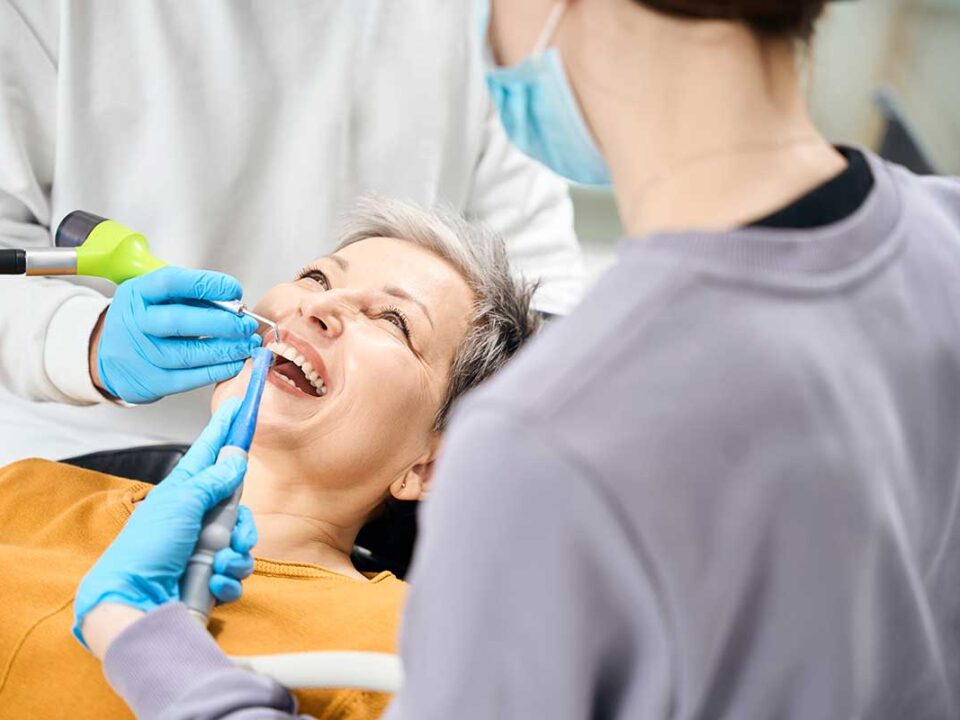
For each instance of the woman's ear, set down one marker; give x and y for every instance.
(415, 483)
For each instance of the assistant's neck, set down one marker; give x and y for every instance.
(297, 519)
(704, 125)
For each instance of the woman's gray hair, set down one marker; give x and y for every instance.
(502, 319)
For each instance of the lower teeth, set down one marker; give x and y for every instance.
(292, 384)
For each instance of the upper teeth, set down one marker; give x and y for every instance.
(291, 354)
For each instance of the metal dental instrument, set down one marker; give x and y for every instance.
(218, 523)
(237, 307)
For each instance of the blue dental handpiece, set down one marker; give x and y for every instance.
(218, 523)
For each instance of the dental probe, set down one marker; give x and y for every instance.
(237, 307)
(218, 523)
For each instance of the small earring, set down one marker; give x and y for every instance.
(403, 485)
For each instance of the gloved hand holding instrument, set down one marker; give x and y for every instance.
(163, 333)
(144, 565)
(190, 540)
(160, 336)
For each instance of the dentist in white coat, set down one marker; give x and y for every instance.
(231, 135)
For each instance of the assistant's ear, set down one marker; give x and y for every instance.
(415, 483)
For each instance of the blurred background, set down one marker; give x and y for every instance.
(884, 74)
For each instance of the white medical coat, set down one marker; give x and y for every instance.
(232, 134)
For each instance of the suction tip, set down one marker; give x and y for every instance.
(241, 432)
(262, 358)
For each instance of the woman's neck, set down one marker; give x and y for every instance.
(298, 521)
(704, 125)
(292, 538)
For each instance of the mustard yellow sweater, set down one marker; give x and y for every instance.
(55, 520)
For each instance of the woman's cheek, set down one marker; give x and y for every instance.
(280, 300)
(419, 404)
(399, 392)
(229, 388)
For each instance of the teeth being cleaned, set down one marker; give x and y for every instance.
(290, 353)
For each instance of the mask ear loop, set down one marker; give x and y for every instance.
(546, 35)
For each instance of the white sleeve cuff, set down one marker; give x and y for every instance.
(67, 347)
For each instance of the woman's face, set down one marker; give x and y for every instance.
(367, 338)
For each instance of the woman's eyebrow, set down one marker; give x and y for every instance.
(344, 265)
(404, 295)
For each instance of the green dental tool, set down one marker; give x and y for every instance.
(87, 244)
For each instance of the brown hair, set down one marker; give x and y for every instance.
(778, 18)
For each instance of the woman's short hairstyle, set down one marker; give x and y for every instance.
(502, 318)
(782, 18)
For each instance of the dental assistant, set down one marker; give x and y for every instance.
(232, 135)
(728, 484)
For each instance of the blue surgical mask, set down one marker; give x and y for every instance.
(540, 113)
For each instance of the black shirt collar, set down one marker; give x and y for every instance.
(837, 198)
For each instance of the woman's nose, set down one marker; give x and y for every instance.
(326, 312)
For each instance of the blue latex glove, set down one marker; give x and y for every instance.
(143, 566)
(151, 345)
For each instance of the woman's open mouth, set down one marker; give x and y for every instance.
(296, 371)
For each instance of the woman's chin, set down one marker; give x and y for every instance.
(234, 387)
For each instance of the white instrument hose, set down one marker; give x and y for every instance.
(379, 672)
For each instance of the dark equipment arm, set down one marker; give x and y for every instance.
(13, 262)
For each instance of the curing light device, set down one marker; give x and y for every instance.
(218, 523)
(87, 244)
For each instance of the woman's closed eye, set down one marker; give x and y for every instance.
(316, 275)
(396, 317)
(393, 315)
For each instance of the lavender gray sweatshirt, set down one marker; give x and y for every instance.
(727, 486)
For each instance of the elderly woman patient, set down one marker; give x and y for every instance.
(376, 340)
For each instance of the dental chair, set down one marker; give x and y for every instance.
(385, 543)
(899, 140)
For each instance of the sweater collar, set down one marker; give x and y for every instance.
(807, 256)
